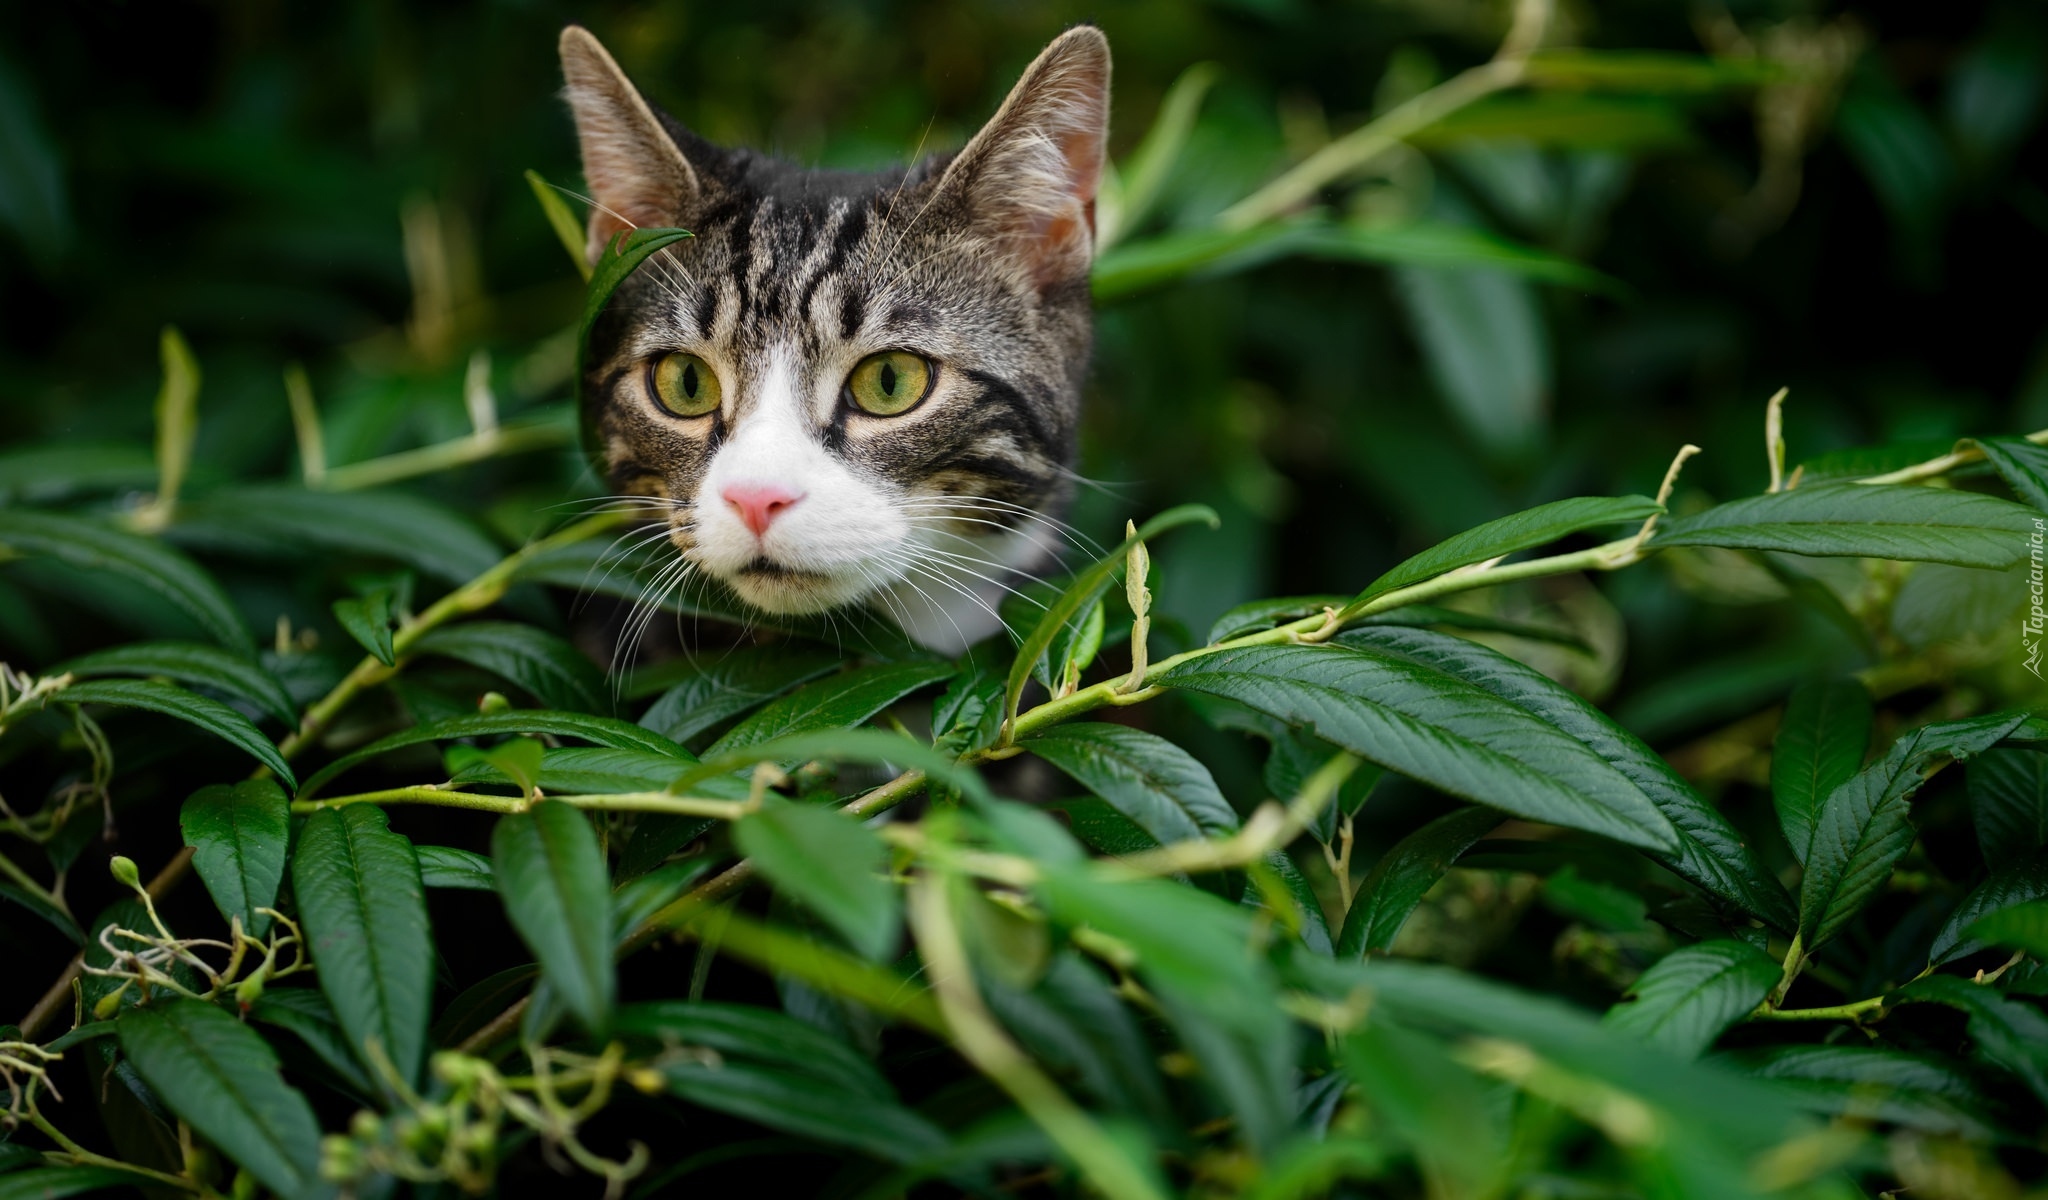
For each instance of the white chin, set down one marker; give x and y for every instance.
(796, 593)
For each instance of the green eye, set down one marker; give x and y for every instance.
(686, 385)
(890, 383)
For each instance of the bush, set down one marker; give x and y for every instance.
(1345, 894)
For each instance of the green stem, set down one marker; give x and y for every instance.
(1368, 142)
(26, 882)
(678, 913)
(479, 593)
(1608, 557)
(442, 456)
(1508, 68)
(85, 1157)
(982, 1041)
(655, 802)
(1833, 1012)
(1795, 961)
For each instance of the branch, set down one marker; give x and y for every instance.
(478, 594)
(1347, 154)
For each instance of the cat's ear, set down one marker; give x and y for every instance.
(637, 176)
(1033, 170)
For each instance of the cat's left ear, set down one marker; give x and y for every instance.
(1033, 170)
(638, 177)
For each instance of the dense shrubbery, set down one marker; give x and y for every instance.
(1324, 893)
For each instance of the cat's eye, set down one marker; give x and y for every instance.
(686, 385)
(890, 383)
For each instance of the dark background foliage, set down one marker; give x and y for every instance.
(340, 186)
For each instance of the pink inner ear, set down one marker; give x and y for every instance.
(1059, 246)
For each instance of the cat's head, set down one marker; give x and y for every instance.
(849, 388)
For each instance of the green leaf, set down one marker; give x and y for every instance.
(482, 1002)
(2008, 792)
(2018, 884)
(797, 1102)
(2022, 464)
(2021, 926)
(1862, 828)
(842, 745)
(92, 546)
(515, 760)
(555, 672)
(604, 731)
(1228, 1017)
(1131, 268)
(177, 416)
(305, 1013)
(211, 715)
(223, 1079)
(365, 914)
(1520, 531)
(1072, 1021)
(620, 259)
(1087, 587)
(1257, 615)
(968, 715)
(1693, 994)
(839, 702)
(1441, 244)
(1294, 759)
(551, 875)
(715, 686)
(283, 520)
(448, 867)
(1581, 122)
(1144, 172)
(1865, 1083)
(587, 769)
(367, 619)
(62, 920)
(189, 662)
(1445, 1113)
(1919, 524)
(1485, 347)
(53, 1183)
(831, 864)
(1158, 785)
(1710, 852)
(761, 1035)
(2010, 1034)
(1862, 462)
(561, 220)
(238, 833)
(1399, 880)
(1715, 1107)
(1437, 728)
(40, 472)
(1429, 616)
(1820, 744)
(1645, 72)
(1294, 900)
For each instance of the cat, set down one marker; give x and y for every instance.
(849, 389)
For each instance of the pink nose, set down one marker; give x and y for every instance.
(758, 504)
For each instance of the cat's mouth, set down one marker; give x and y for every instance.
(764, 567)
(779, 588)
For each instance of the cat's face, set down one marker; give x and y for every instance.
(849, 388)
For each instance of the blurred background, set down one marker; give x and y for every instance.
(1570, 281)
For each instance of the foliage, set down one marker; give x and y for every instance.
(1409, 888)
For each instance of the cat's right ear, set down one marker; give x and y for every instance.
(637, 176)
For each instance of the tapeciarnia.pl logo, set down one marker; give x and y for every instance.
(2037, 619)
